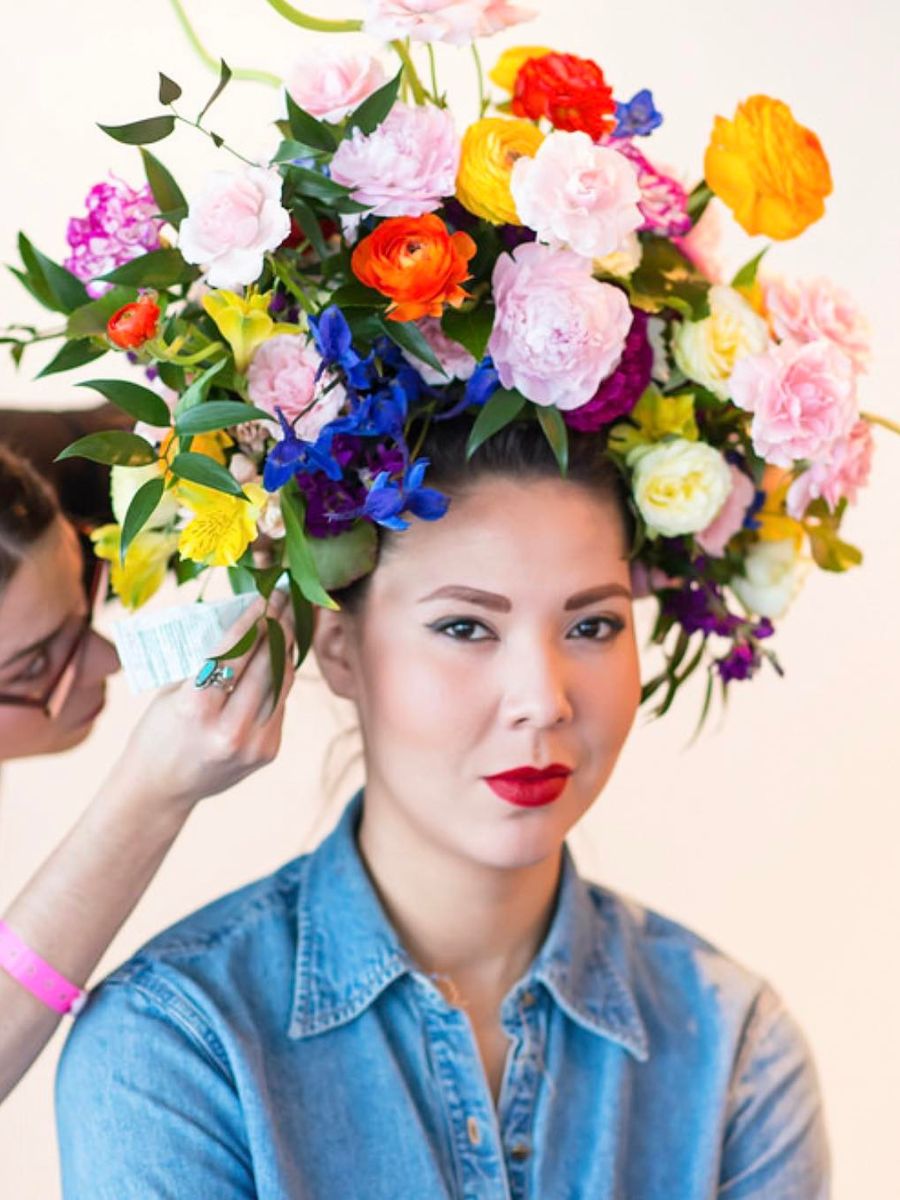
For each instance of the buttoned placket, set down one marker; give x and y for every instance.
(492, 1149)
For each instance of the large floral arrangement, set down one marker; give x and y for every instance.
(301, 322)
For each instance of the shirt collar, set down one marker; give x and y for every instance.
(348, 952)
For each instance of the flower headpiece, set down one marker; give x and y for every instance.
(302, 322)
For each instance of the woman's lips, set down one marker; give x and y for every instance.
(528, 787)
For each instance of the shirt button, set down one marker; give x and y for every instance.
(519, 1151)
(527, 999)
(473, 1131)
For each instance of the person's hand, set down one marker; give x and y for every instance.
(194, 742)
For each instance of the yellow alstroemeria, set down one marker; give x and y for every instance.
(511, 62)
(146, 560)
(774, 523)
(244, 322)
(223, 525)
(657, 417)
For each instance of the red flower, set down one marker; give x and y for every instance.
(570, 92)
(133, 324)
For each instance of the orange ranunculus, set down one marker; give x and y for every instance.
(133, 324)
(417, 262)
(570, 92)
(770, 171)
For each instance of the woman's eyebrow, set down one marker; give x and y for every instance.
(498, 603)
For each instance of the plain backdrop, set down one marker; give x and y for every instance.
(776, 834)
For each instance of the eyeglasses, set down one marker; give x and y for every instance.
(72, 637)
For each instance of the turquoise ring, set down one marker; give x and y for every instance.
(212, 675)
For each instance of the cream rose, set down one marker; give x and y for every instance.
(624, 260)
(680, 486)
(707, 351)
(774, 574)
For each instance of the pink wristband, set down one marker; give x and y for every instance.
(37, 976)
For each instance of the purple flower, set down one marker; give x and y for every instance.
(700, 608)
(739, 663)
(663, 201)
(119, 226)
(638, 117)
(619, 392)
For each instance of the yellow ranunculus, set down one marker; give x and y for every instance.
(223, 525)
(490, 148)
(771, 171)
(243, 322)
(144, 569)
(511, 62)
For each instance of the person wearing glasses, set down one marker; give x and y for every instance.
(192, 742)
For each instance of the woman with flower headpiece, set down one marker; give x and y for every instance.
(189, 744)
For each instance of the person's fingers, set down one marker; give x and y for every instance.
(251, 702)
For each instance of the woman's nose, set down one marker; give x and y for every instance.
(535, 690)
(99, 659)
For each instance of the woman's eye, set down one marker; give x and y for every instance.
(463, 630)
(35, 668)
(599, 629)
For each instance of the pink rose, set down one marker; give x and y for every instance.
(331, 83)
(406, 167)
(730, 517)
(841, 477)
(454, 358)
(282, 375)
(231, 223)
(455, 21)
(803, 398)
(558, 332)
(573, 193)
(806, 311)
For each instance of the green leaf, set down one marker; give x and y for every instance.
(186, 570)
(311, 183)
(343, 559)
(139, 133)
(139, 402)
(90, 320)
(307, 129)
(241, 580)
(200, 468)
(470, 327)
(245, 642)
(408, 336)
(224, 76)
(195, 393)
(698, 200)
(140, 510)
(356, 295)
(365, 325)
(369, 115)
(166, 192)
(300, 560)
(217, 414)
(36, 287)
(115, 448)
(556, 433)
(502, 408)
(277, 655)
(830, 552)
(746, 276)
(304, 623)
(159, 268)
(309, 223)
(169, 91)
(71, 355)
(667, 279)
(64, 288)
(266, 579)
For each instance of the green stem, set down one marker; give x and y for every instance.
(315, 23)
(224, 146)
(409, 71)
(482, 99)
(433, 66)
(213, 64)
(883, 421)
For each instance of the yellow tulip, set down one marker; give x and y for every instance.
(490, 149)
(244, 322)
(223, 526)
(146, 560)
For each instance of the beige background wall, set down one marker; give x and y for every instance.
(776, 835)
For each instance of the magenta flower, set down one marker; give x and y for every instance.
(119, 226)
(620, 392)
(663, 201)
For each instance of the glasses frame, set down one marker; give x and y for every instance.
(57, 691)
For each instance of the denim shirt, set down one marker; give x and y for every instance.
(282, 1043)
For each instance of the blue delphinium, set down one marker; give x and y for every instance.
(637, 117)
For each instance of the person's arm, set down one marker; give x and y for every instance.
(190, 743)
(775, 1146)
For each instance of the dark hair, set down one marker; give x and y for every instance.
(28, 508)
(519, 451)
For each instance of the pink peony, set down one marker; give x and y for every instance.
(331, 83)
(558, 332)
(455, 21)
(730, 517)
(842, 477)
(406, 167)
(803, 398)
(806, 311)
(232, 222)
(573, 193)
(663, 200)
(282, 374)
(454, 358)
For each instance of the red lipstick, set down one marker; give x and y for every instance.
(530, 787)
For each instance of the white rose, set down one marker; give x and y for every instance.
(775, 572)
(679, 486)
(331, 83)
(232, 222)
(624, 260)
(707, 350)
(124, 483)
